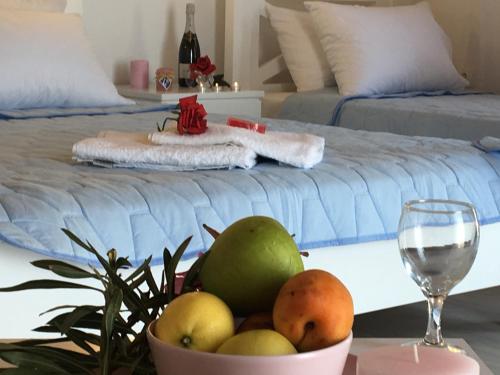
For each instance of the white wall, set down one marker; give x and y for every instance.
(490, 45)
(474, 28)
(460, 18)
(150, 29)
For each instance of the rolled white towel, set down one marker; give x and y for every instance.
(134, 150)
(488, 144)
(297, 149)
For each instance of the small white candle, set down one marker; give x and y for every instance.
(217, 87)
(236, 86)
(202, 87)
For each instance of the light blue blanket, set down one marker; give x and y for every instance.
(140, 107)
(462, 115)
(354, 196)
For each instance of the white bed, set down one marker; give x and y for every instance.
(372, 271)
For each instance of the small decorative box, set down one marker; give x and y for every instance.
(164, 79)
(245, 124)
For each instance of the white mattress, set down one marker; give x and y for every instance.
(372, 271)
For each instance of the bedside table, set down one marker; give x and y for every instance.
(247, 103)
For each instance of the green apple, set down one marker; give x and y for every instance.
(198, 321)
(260, 342)
(249, 262)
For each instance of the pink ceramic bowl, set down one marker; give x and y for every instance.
(171, 360)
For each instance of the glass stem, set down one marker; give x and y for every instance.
(433, 335)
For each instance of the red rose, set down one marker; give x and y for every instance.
(203, 65)
(192, 116)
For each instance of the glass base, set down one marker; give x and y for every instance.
(444, 345)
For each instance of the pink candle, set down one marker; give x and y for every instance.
(415, 360)
(139, 74)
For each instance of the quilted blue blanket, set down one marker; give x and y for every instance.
(355, 195)
(463, 115)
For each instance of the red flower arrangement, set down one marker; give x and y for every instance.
(203, 66)
(191, 117)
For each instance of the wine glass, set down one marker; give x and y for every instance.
(438, 241)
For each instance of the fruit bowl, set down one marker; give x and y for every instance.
(172, 360)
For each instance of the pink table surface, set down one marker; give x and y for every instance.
(361, 345)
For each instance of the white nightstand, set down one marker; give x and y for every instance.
(248, 103)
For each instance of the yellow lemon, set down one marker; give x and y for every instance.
(198, 321)
(260, 342)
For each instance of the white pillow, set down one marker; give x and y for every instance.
(383, 50)
(301, 48)
(35, 5)
(46, 61)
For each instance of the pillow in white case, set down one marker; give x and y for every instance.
(384, 50)
(35, 5)
(301, 48)
(46, 61)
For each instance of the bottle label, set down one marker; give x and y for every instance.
(185, 71)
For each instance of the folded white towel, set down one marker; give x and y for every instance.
(296, 149)
(134, 150)
(488, 144)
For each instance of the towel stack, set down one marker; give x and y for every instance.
(221, 147)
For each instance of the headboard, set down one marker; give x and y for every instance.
(252, 55)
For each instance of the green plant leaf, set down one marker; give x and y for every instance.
(90, 321)
(24, 371)
(63, 269)
(69, 360)
(57, 308)
(41, 342)
(47, 284)
(34, 359)
(81, 359)
(123, 264)
(114, 302)
(120, 345)
(167, 258)
(172, 266)
(112, 310)
(140, 269)
(211, 231)
(138, 282)
(75, 316)
(150, 281)
(193, 273)
(130, 299)
(80, 339)
(78, 241)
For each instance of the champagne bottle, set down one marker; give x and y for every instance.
(189, 51)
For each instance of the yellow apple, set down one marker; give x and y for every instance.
(259, 342)
(198, 321)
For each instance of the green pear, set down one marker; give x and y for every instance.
(248, 264)
(261, 342)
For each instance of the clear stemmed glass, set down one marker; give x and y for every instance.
(438, 242)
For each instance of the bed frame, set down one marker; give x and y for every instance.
(373, 273)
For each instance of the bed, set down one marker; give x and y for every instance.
(263, 65)
(469, 117)
(340, 211)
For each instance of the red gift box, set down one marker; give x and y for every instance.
(246, 124)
